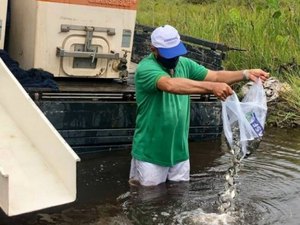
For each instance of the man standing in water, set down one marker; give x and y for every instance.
(164, 80)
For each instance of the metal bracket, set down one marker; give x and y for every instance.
(88, 40)
(62, 53)
(67, 28)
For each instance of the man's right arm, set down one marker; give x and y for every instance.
(188, 86)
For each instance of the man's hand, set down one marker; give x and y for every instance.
(253, 74)
(221, 90)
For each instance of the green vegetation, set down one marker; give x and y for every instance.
(267, 29)
(285, 111)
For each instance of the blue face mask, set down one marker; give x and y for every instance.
(168, 63)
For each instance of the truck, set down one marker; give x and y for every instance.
(89, 49)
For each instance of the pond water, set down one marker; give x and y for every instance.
(268, 189)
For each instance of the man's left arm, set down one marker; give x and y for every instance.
(231, 77)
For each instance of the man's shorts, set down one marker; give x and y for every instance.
(148, 174)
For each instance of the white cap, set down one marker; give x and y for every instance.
(167, 40)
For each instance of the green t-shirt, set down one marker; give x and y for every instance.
(162, 122)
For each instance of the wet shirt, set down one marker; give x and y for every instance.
(162, 122)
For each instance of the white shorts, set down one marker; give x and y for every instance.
(148, 174)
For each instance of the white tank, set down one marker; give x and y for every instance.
(74, 38)
(3, 12)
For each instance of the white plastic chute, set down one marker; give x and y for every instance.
(37, 166)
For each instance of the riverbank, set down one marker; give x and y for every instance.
(280, 114)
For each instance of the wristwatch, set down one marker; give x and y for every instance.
(245, 74)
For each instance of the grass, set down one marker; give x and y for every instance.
(288, 112)
(267, 29)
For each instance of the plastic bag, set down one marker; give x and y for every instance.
(244, 121)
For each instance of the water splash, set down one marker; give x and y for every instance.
(226, 198)
(199, 217)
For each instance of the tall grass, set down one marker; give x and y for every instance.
(269, 31)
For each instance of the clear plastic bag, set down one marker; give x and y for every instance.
(243, 121)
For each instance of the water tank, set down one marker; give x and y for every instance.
(74, 38)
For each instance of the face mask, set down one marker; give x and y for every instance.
(168, 63)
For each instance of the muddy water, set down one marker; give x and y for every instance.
(268, 189)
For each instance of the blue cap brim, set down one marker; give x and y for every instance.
(169, 53)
